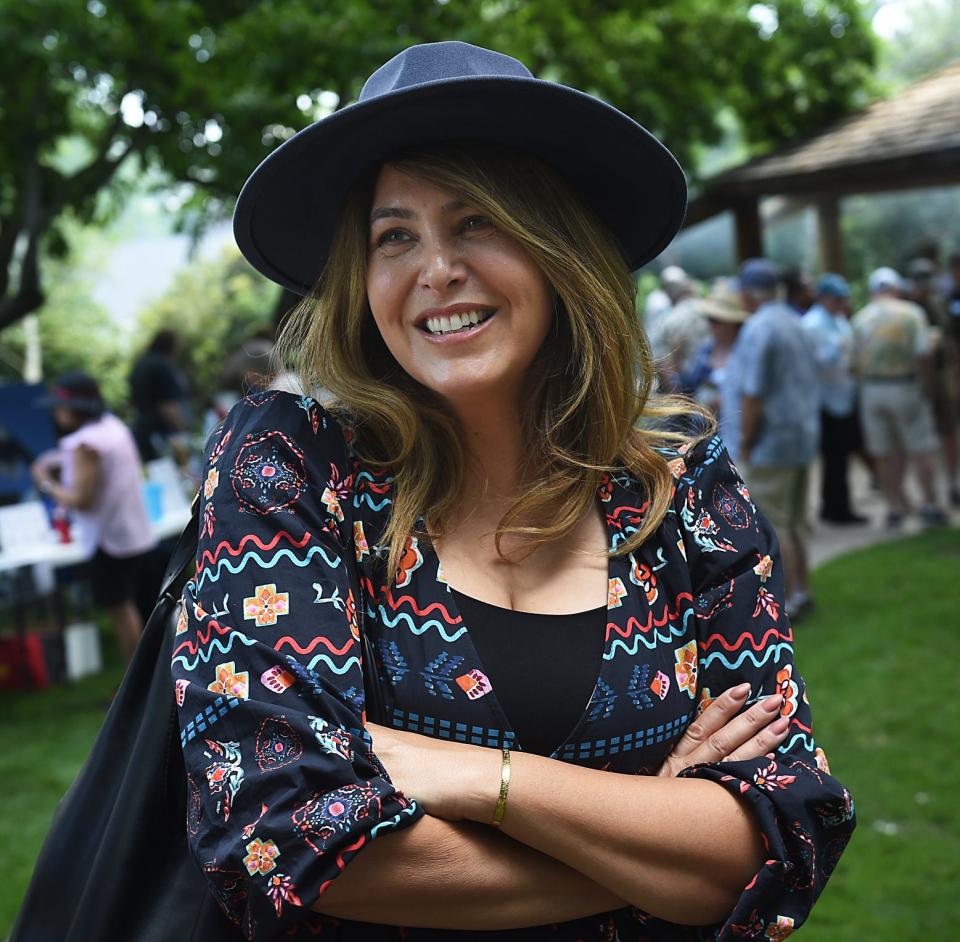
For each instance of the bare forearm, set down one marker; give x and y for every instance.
(444, 875)
(682, 849)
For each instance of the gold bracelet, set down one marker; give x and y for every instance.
(504, 788)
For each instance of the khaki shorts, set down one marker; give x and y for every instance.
(781, 495)
(896, 415)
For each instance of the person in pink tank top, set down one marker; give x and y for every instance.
(96, 473)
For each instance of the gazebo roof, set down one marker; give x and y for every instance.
(909, 140)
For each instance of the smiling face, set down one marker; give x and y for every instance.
(461, 306)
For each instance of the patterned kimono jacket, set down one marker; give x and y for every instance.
(283, 786)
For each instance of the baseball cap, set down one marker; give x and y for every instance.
(76, 390)
(884, 279)
(833, 285)
(759, 273)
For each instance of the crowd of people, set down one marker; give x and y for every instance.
(790, 368)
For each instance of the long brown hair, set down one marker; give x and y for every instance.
(588, 410)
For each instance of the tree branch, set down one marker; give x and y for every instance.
(10, 227)
(29, 294)
(98, 172)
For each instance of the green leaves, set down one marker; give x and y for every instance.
(204, 89)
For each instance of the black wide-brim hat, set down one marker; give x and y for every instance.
(287, 212)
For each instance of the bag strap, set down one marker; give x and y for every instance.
(184, 557)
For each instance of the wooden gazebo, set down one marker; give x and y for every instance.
(907, 141)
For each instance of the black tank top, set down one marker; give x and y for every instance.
(543, 668)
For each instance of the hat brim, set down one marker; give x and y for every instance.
(715, 311)
(288, 209)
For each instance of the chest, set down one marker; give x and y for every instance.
(567, 576)
(644, 692)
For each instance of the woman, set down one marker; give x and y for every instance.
(554, 592)
(95, 473)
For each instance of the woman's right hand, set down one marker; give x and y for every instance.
(718, 733)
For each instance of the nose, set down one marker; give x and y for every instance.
(443, 266)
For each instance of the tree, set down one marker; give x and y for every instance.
(206, 89)
(927, 41)
(214, 306)
(75, 331)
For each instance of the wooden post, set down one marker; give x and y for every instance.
(830, 242)
(746, 214)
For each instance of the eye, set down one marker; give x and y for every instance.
(391, 237)
(474, 223)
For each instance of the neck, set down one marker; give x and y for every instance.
(494, 450)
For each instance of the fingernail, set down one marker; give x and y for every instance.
(740, 691)
(780, 725)
(773, 704)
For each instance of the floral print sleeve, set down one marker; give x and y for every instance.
(283, 788)
(743, 634)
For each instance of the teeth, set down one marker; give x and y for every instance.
(445, 325)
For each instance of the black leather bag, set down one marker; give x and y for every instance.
(115, 864)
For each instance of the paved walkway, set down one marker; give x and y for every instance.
(828, 541)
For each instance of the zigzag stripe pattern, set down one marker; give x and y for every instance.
(773, 652)
(350, 662)
(419, 629)
(395, 820)
(658, 637)
(365, 498)
(215, 645)
(745, 637)
(805, 740)
(209, 575)
(367, 476)
(250, 538)
(634, 624)
(202, 639)
(395, 603)
(292, 642)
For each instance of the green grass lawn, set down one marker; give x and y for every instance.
(880, 657)
(44, 738)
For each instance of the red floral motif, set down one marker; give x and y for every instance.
(280, 889)
(352, 615)
(768, 780)
(686, 667)
(210, 484)
(779, 930)
(788, 689)
(605, 490)
(616, 590)
(337, 489)
(230, 682)
(642, 575)
(209, 519)
(764, 568)
(410, 561)
(260, 856)
(266, 606)
(706, 698)
(767, 603)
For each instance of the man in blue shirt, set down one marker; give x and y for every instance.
(770, 417)
(828, 324)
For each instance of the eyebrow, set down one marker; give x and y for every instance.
(396, 212)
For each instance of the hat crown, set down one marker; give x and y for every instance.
(440, 62)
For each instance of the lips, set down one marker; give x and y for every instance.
(440, 325)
